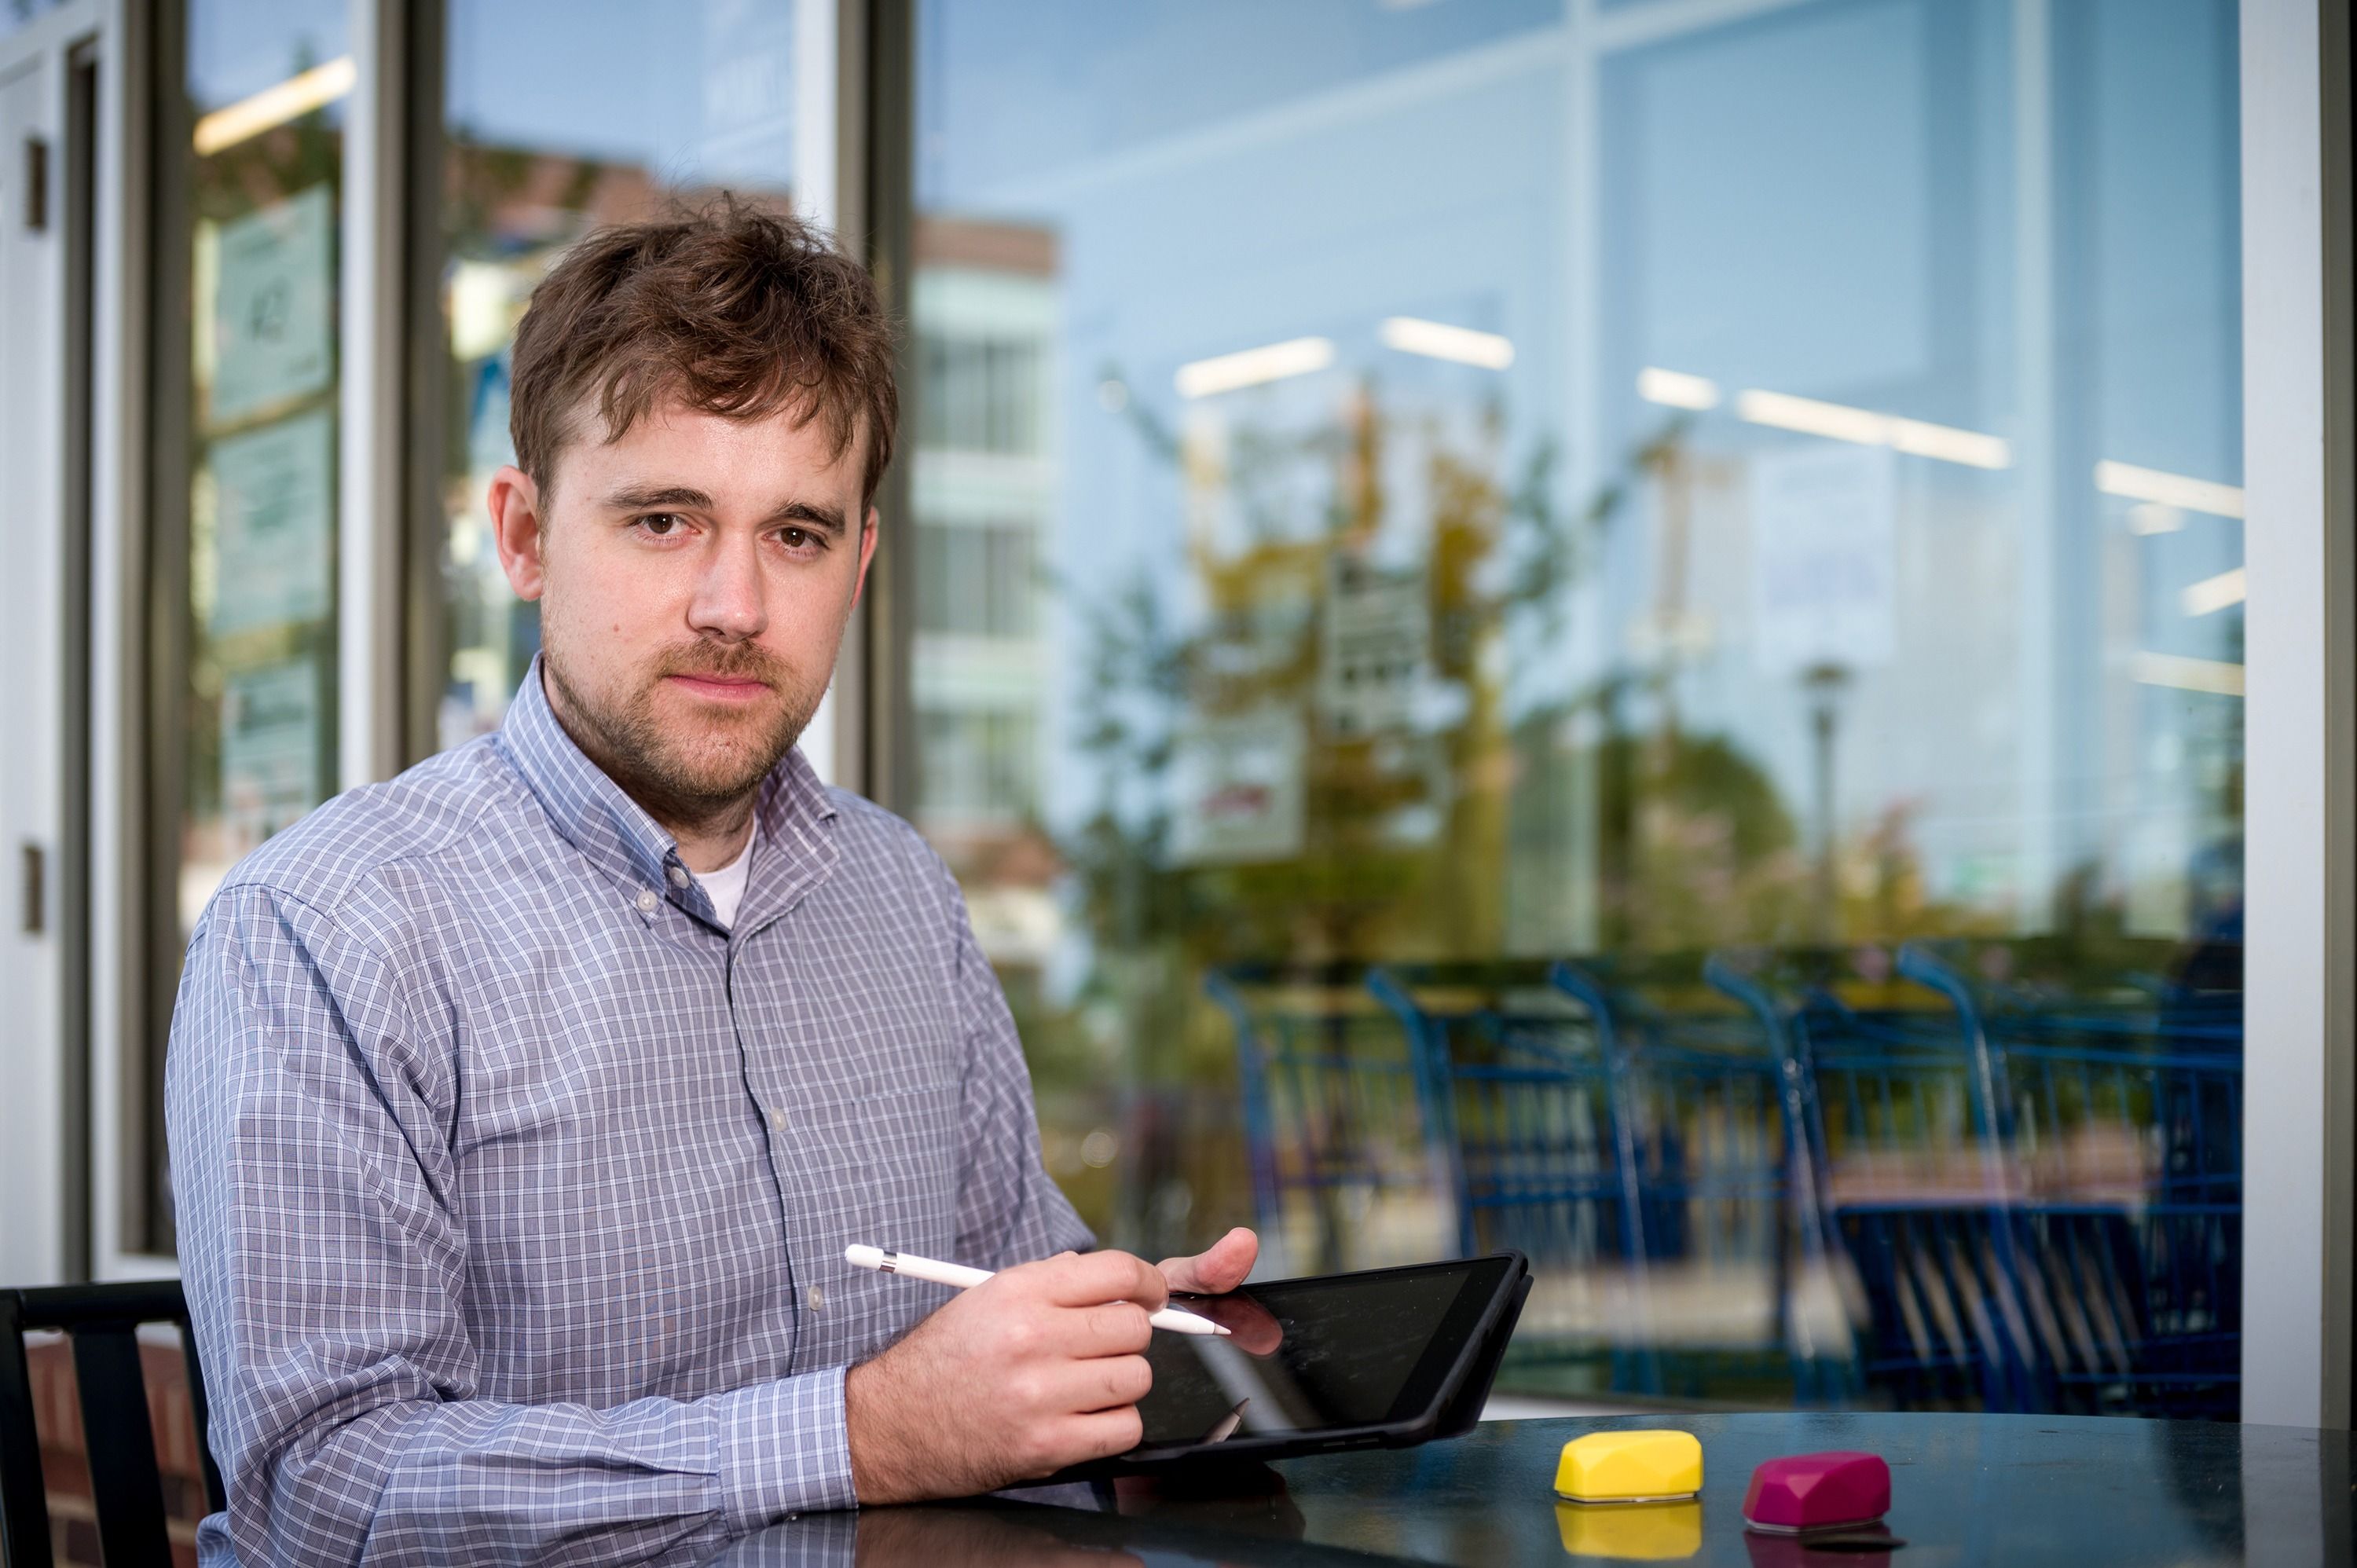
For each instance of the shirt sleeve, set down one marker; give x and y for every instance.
(1009, 1209)
(323, 1252)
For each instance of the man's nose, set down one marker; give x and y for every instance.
(730, 595)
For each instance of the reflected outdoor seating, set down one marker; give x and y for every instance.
(1998, 1175)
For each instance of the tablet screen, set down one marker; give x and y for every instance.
(1351, 1346)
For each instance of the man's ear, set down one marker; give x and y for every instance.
(866, 554)
(519, 529)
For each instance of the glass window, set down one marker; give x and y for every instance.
(15, 14)
(628, 110)
(247, 381)
(1589, 564)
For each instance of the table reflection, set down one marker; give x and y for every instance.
(1965, 1488)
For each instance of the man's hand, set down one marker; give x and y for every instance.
(1217, 1270)
(1037, 1367)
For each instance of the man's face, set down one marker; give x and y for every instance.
(693, 580)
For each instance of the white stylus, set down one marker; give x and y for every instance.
(959, 1277)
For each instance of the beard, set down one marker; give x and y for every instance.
(686, 769)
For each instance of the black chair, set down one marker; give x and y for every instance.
(102, 1321)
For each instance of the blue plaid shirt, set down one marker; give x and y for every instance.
(512, 1190)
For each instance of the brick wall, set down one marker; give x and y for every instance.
(74, 1520)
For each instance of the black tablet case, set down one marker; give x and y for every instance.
(1463, 1412)
(1458, 1415)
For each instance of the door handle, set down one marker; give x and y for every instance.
(36, 184)
(36, 891)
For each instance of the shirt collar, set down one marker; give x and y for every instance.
(794, 813)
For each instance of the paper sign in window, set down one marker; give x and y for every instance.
(274, 500)
(274, 306)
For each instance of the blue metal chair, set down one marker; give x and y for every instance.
(1519, 1082)
(1713, 1156)
(2121, 1108)
(1621, 1123)
(1334, 1121)
(1901, 1161)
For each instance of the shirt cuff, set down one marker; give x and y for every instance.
(784, 1449)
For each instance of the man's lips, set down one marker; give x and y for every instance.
(726, 688)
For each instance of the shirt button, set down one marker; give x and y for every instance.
(778, 1121)
(816, 1297)
(647, 900)
(679, 876)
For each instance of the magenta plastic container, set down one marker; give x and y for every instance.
(1817, 1491)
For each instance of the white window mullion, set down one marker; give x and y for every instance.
(2297, 1150)
(816, 181)
(369, 452)
(120, 546)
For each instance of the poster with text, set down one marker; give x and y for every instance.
(271, 748)
(274, 305)
(274, 490)
(1238, 786)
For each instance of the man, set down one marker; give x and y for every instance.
(520, 1107)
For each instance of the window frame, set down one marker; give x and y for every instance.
(2300, 1109)
(140, 496)
(2299, 808)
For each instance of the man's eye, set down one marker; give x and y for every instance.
(662, 524)
(795, 537)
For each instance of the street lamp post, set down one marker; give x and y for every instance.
(1825, 684)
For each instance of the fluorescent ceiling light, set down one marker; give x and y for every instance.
(2168, 489)
(1811, 417)
(2213, 594)
(1838, 422)
(1949, 444)
(2212, 675)
(273, 106)
(1251, 367)
(1438, 341)
(1677, 389)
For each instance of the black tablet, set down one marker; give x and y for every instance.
(1387, 1358)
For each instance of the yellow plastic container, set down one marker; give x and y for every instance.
(1634, 1532)
(1643, 1466)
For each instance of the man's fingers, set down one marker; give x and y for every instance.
(1108, 1328)
(1102, 1434)
(1101, 1383)
(1094, 1277)
(1217, 1269)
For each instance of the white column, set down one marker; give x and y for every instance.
(1593, 619)
(2296, 1146)
(2037, 767)
(369, 451)
(120, 461)
(32, 817)
(815, 183)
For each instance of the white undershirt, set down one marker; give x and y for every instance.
(726, 887)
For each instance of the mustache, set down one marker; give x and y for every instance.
(725, 661)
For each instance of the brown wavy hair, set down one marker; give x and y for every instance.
(731, 310)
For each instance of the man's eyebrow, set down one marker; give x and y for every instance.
(642, 498)
(823, 517)
(647, 497)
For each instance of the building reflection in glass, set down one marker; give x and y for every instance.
(1634, 651)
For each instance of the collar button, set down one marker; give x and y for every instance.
(678, 876)
(647, 900)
